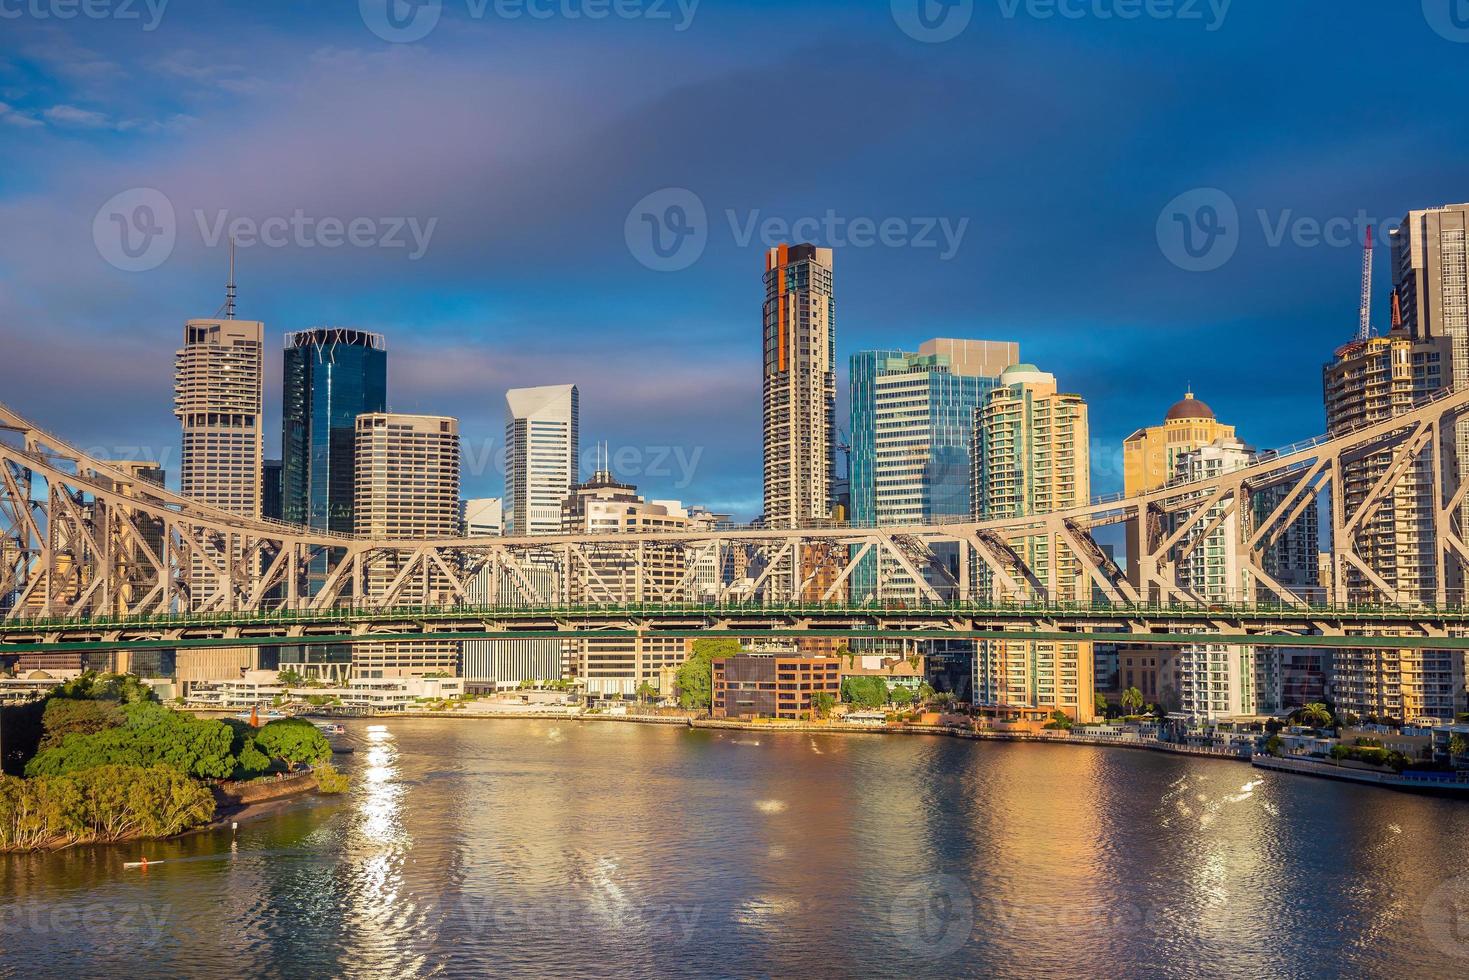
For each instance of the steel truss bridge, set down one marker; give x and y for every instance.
(92, 556)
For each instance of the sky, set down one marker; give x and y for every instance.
(1147, 195)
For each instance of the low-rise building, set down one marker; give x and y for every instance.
(772, 685)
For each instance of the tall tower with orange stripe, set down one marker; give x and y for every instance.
(800, 385)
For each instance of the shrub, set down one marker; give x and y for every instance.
(329, 779)
(104, 803)
(294, 741)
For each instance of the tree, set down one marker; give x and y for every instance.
(943, 700)
(67, 716)
(822, 702)
(294, 742)
(1458, 746)
(865, 692)
(646, 692)
(1060, 720)
(1315, 715)
(1132, 700)
(152, 735)
(1100, 700)
(902, 697)
(925, 692)
(695, 678)
(289, 678)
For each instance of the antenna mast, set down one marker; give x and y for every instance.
(228, 309)
(1364, 324)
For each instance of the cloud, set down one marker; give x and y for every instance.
(15, 117)
(68, 115)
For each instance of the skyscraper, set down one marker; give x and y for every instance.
(218, 399)
(1431, 295)
(799, 338)
(407, 489)
(332, 375)
(542, 445)
(1031, 456)
(1370, 381)
(912, 428)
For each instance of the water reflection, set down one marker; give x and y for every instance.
(600, 848)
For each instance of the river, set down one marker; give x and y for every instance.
(533, 848)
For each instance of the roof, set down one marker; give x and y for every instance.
(1189, 408)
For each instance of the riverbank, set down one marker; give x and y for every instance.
(1407, 781)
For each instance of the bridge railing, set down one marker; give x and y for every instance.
(919, 608)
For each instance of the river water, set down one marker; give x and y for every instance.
(532, 848)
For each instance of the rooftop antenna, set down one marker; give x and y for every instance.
(1364, 320)
(228, 309)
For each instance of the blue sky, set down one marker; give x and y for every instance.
(519, 146)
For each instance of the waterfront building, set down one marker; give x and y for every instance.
(542, 446)
(219, 402)
(1431, 294)
(772, 685)
(912, 426)
(1031, 456)
(642, 572)
(799, 385)
(407, 488)
(1369, 381)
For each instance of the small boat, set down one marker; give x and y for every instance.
(330, 728)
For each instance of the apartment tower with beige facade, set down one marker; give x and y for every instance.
(1031, 456)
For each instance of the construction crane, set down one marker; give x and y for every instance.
(1364, 325)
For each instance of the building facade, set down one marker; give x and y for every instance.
(1031, 456)
(648, 572)
(799, 385)
(542, 448)
(772, 685)
(1369, 381)
(407, 484)
(332, 375)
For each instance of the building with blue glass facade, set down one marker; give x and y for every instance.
(912, 425)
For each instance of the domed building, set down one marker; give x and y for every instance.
(1150, 455)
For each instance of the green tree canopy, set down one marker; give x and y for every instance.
(151, 735)
(293, 741)
(822, 702)
(902, 697)
(67, 716)
(865, 692)
(695, 677)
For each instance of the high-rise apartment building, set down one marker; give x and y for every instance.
(799, 372)
(1031, 456)
(407, 481)
(645, 572)
(332, 375)
(542, 447)
(1370, 381)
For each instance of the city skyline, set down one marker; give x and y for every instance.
(1104, 160)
